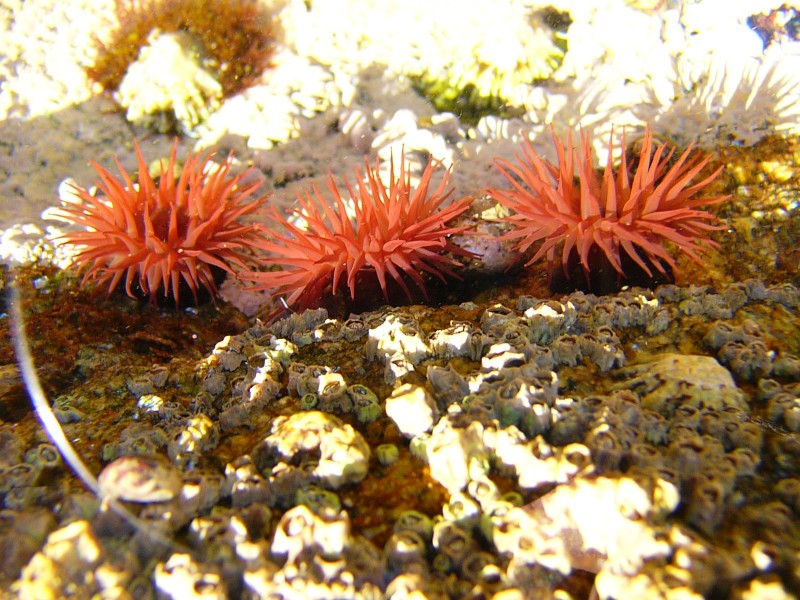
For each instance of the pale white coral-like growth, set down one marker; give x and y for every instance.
(494, 46)
(167, 82)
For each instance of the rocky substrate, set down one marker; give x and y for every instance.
(646, 443)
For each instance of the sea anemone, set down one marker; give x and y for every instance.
(628, 220)
(395, 235)
(157, 235)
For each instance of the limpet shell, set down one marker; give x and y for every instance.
(143, 479)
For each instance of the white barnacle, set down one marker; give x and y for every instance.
(198, 434)
(342, 452)
(412, 409)
(501, 356)
(396, 336)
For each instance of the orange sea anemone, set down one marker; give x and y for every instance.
(157, 235)
(628, 220)
(395, 235)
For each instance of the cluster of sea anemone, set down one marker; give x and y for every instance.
(155, 235)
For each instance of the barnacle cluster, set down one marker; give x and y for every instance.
(558, 435)
(170, 62)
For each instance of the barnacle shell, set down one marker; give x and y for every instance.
(343, 452)
(70, 555)
(403, 547)
(412, 409)
(181, 572)
(365, 403)
(199, 434)
(387, 454)
(455, 456)
(460, 339)
(300, 530)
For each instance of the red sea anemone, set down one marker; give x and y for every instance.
(397, 232)
(157, 235)
(627, 219)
